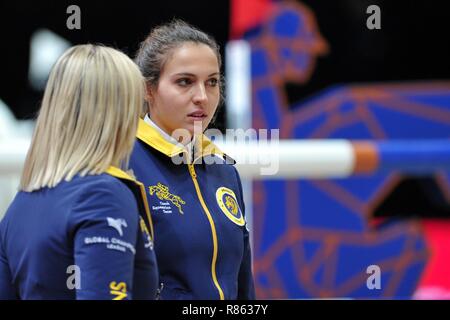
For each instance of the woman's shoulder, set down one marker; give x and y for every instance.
(104, 184)
(101, 195)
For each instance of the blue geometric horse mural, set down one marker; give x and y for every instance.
(317, 238)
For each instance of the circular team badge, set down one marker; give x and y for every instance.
(226, 199)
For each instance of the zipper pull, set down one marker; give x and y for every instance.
(192, 171)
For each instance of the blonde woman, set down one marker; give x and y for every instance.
(80, 228)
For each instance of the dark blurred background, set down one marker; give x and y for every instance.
(121, 24)
(412, 43)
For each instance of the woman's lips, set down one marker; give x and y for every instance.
(199, 115)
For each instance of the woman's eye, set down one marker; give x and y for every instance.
(213, 82)
(184, 82)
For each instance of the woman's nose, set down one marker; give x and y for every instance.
(200, 94)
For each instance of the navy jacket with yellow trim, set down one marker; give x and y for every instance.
(89, 238)
(201, 238)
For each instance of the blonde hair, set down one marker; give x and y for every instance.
(88, 118)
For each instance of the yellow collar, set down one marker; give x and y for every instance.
(154, 139)
(119, 173)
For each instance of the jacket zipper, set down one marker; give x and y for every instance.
(213, 229)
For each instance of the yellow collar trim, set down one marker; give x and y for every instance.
(119, 173)
(154, 139)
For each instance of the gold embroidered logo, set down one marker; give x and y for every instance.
(231, 205)
(119, 290)
(226, 199)
(162, 192)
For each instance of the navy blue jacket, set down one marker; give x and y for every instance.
(201, 238)
(90, 238)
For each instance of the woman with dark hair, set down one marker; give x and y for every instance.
(202, 243)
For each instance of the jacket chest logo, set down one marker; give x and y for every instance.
(162, 192)
(226, 199)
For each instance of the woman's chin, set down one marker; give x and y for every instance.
(195, 127)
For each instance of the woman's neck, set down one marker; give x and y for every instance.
(166, 135)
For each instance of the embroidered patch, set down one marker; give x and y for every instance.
(226, 199)
(162, 192)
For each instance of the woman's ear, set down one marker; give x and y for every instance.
(149, 95)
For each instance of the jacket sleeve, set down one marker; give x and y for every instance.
(104, 225)
(7, 291)
(246, 288)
